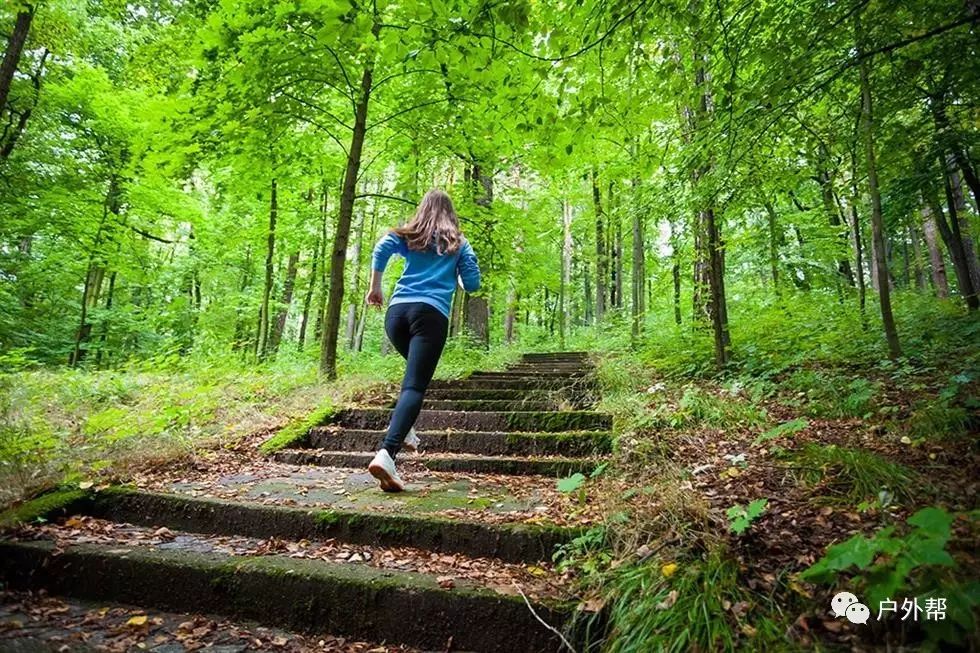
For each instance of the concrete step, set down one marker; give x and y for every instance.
(489, 443)
(507, 383)
(533, 375)
(306, 595)
(510, 542)
(530, 421)
(493, 394)
(488, 404)
(445, 462)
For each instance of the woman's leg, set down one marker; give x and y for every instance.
(427, 329)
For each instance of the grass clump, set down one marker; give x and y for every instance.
(698, 406)
(853, 474)
(821, 393)
(692, 605)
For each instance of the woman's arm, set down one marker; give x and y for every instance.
(383, 251)
(468, 268)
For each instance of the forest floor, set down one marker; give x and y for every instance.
(834, 452)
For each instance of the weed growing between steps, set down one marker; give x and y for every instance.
(822, 454)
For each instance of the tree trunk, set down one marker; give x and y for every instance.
(321, 307)
(105, 321)
(601, 261)
(510, 318)
(877, 222)
(331, 323)
(950, 141)
(262, 342)
(308, 298)
(15, 46)
(286, 301)
(950, 236)
(774, 241)
(639, 274)
(856, 236)
(936, 265)
(351, 329)
(94, 273)
(918, 266)
(969, 251)
(830, 207)
(566, 271)
(477, 315)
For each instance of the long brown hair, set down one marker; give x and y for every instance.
(435, 224)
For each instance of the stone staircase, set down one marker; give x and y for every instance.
(307, 541)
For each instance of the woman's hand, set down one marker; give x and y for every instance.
(375, 297)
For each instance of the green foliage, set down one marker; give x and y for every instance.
(688, 610)
(571, 483)
(741, 517)
(916, 563)
(782, 430)
(826, 394)
(854, 474)
(699, 406)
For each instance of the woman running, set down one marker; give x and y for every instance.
(417, 322)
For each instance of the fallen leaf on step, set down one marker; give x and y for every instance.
(446, 582)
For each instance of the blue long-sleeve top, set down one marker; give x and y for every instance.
(428, 277)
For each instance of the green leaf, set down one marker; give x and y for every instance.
(571, 483)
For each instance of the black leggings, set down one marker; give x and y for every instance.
(418, 331)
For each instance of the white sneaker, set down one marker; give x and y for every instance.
(412, 441)
(383, 469)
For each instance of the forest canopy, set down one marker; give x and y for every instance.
(188, 176)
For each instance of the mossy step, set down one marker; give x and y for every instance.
(516, 383)
(558, 355)
(489, 443)
(488, 404)
(498, 394)
(533, 376)
(531, 421)
(445, 462)
(306, 595)
(511, 542)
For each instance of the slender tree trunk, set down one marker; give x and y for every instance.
(950, 233)
(639, 274)
(856, 236)
(308, 297)
(321, 307)
(510, 318)
(352, 311)
(331, 323)
(285, 302)
(918, 265)
(969, 251)
(15, 46)
(773, 245)
(566, 270)
(618, 249)
(877, 222)
(262, 342)
(830, 208)
(951, 142)
(94, 273)
(241, 341)
(601, 260)
(937, 267)
(105, 321)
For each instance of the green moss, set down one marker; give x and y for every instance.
(40, 507)
(294, 432)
